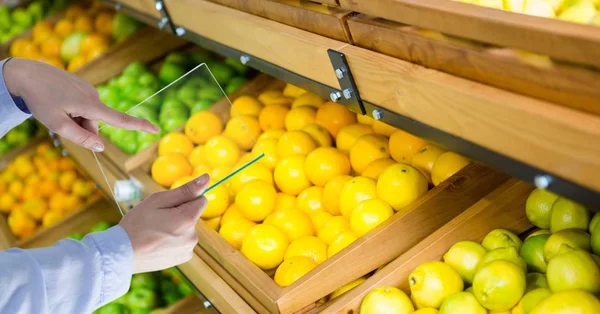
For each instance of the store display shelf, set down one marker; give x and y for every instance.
(503, 208)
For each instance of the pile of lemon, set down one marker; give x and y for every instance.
(327, 178)
(554, 270)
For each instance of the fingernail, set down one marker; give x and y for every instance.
(98, 147)
(155, 129)
(202, 179)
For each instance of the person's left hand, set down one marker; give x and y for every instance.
(66, 104)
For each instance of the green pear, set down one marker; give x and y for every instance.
(582, 12)
(538, 8)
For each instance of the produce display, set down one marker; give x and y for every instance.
(577, 11)
(18, 136)
(555, 269)
(15, 21)
(328, 176)
(38, 189)
(172, 108)
(83, 34)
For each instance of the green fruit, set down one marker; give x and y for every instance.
(21, 17)
(140, 311)
(124, 26)
(565, 240)
(539, 206)
(508, 254)
(176, 58)
(171, 298)
(109, 95)
(222, 72)
(432, 282)
(235, 84)
(154, 103)
(4, 147)
(185, 289)
(385, 300)
(169, 72)
(173, 124)
(113, 308)
(128, 143)
(70, 46)
(534, 297)
(187, 95)
(125, 105)
(173, 113)
(535, 280)
(5, 19)
(574, 301)
(464, 257)
(141, 298)
(532, 252)
(196, 82)
(462, 302)
(76, 236)
(501, 238)
(135, 69)
(574, 270)
(201, 105)
(17, 138)
(499, 285)
(201, 57)
(173, 104)
(101, 226)
(126, 80)
(144, 280)
(144, 112)
(210, 93)
(143, 93)
(148, 80)
(595, 239)
(237, 66)
(36, 10)
(567, 214)
(114, 82)
(594, 221)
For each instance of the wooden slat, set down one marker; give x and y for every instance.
(7, 239)
(503, 208)
(188, 305)
(313, 17)
(213, 287)
(566, 85)
(563, 40)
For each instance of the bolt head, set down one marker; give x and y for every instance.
(244, 59)
(542, 181)
(163, 22)
(158, 6)
(347, 93)
(118, 7)
(207, 304)
(377, 114)
(339, 73)
(335, 96)
(180, 31)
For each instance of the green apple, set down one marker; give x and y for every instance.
(196, 82)
(114, 82)
(36, 10)
(5, 20)
(210, 93)
(185, 289)
(187, 95)
(101, 226)
(176, 58)
(169, 72)
(154, 103)
(128, 143)
(17, 137)
(235, 84)
(237, 66)
(168, 286)
(126, 80)
(143, 93)
(131, 91)
(173, 123)
(144, 280)
(201, 57)
(201, 105)
(144, 112)
(135, 69)
(167, 114)
(172, 104)
(141, 298)
(149, 80)
(124, 26)
(113, 308)
(124, 105)
(21, 17)
(109, 95)
(140, 311)
(222, 72)
(171, 297)
(4, 147)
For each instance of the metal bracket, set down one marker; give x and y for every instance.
(165, 20)
(349, 95)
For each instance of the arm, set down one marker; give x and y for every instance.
(10, 113)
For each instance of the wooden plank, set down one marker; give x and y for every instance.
(213, 287)
(188, 305)
(503, 208)
(561, 83)
(421, 218)
(563, 40)
(146, 45)
(313, 17)
(7, 239)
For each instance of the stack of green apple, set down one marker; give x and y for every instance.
(14, 22)
(101, 226)
(18, 136)
(174, 105)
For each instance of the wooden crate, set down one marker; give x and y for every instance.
(5, 47)
(328, 21)
(503, 208)
(561, 83)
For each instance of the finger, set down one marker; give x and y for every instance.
(90, 125)
(121, 120)
(192, 210)
(78, 135)
(182, 194)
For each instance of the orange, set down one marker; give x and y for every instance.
(293, 222)
(17, 46)
(76, 63)
(293, 91)
(83, 23)
(97, 52)
(21, 224)
(36, 208)
(92, 41)
(265, 246)
(319, 134)
(213, 223)
(375, 168)
(221, 151)
(245, 106)
(290, 175)
(332, 228)
(181, 181)
(235, 231)
(355, 191)
(368, 215)
(255, 171)
(217, 201)
(425, 158)
(403, 146)
(274, 97)
(175, 142)
(310, 200)
(271, 134)
(256, 200)
(308, 99)
(284, 201)
(31, 191)
(269, 148)
(364, 119)
(43, 148)
(295, 143)
(48, 187)
(319, 218)
(340, 242)
(63, 27)
(16, 189)
(103, 23)
(51, 217)
(57, 201)
(246, 158)
(200, 170)
(367, 149)
(324, 163)
(67, 179)
(293, 269)
(74, 11)
(446, 165)
(307, 246)
(231, 213)
(168, 168)
(203, 126)
(300, 117)
(244, 130)
(72, 203)
(31, 51)
(40, 35)
(334, 117)
(220, 173)
(331, 194)
(401, 184)
(197, 156)
(66, 164)
(349, 134)
(7, 201)
(383, 128)
(353, 284)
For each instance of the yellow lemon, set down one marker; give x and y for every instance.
(310, 200)
(499, 285)
(534, 281)
(462, 302)
(319, 218)
(200, 170)
(401, 184)
(334, 117)
(293, 91)
(383, 128)
(319, 134)
(217, 202)
(331, 194)
(567, 214)
(308, 99)
(269, 148)
(368, 215)
(349, 134)
(307, 246)
(232, 213)
(295, 143)
(293, 222)
(432, 282)
(499, 238)
(355, 191)
(274, 97)
(573, 270)
(272, 134)
(324, 163)
(175, 142)
(255, 171)
(403, 146)
(293, 269)
(564, 240)
(367, 149)
(203, 126)
(446, 165)
(197, 157)
(273, 117)
(245, 106)
(300, 117)
(332, 228)
(538, 207)
(265, 246)
(284, 201)
(243, 130)
(386, 300)
(290, 175)
(364, 119)
(340, 242)
(181, 181)
(375, 168)
(532, 298)
(425, 158)
(347, 287)
(256, 200)
(234, 231)
(464, 257)
(573, 301)
(221, 151)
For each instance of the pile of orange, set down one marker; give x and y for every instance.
(47, 38)
(40, 188)
(327, 178)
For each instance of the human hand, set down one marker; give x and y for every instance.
(66, 104)
(162, 227)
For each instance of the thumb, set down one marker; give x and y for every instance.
(183, 194)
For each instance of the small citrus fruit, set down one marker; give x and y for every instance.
(203, 126)
(446, 165)
(499, 285)
(538, 207)
(349, 134)
(432, 282)
(234, 231)
(307, 246)
(403, 146)
(341, 241)
(386, 300)
(168, 168)
(293, 269)
(367, 149)
(295, 143)
(310, 200)
(368, 215)
(220, 151)
(265, 246)
(332, 228)
(293, 222)
(290, 175)
(175, 142)
(324, 163)
(355, 191)
(334, 117)
(375, 168)
(331, 193)
(464, 257)
(256, 200)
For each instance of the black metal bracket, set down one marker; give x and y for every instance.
(165, 20)
(349, 95)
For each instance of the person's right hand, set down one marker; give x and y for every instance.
(162, 227)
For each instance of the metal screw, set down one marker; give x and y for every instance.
(158, 6)
(542, 181)
(347, 93)
(56, 142)
(180, 31)
(377, 114)
(339, 73)
(207, 304)
(335, 96)
(51, 134)
(118, 7)
(244, 59)
(163, 22)
(64, 153)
